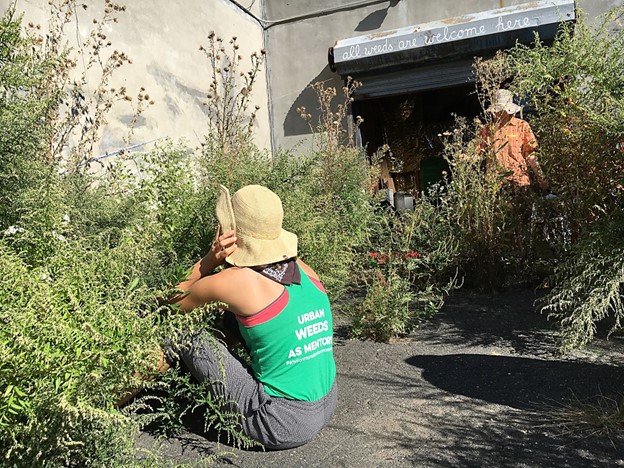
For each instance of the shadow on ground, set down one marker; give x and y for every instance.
(507, 320)
(518, 382)
(480, 410)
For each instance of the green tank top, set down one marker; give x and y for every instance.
(291, 342)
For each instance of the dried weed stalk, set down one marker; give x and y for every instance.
(335, 128)
(81, 81)
(229, 95)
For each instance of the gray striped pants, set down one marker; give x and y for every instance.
(277, 423)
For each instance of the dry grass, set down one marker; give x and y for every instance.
(596, 416)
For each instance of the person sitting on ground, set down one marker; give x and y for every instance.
(512, 142)
(283, 315)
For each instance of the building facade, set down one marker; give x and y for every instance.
(301, 40)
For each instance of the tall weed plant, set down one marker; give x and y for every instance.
(407, 272)
(509, 237)
(23, 111)
(575, 88)
(70, 342)
(477, 208)
(84, 261)
(588, 289)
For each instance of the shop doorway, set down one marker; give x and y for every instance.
(410, 125)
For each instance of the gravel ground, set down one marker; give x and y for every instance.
(478, 385)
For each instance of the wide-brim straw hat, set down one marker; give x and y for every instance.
(503, 101)
(256, 214)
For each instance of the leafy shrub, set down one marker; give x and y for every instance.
(588, 287)
(572, 97)
(479, 213)
(180, 210)
(23, 111)
(331, 220)
(407, 273)
(70, 342)
(385, 311)
(575, 89)
(83, 262)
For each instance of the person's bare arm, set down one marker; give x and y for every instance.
(213, 288)
(537, 170)
(223, 245)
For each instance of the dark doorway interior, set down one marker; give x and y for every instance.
(410, 124)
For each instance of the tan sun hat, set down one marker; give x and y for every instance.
(256, 214)
(503, 101)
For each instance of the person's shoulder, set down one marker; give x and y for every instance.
(233, 273)
(307, 269)
(229, 282)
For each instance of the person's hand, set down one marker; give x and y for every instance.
(223, 246)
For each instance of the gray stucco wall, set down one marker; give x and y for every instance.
(593, 8)
(162, 39)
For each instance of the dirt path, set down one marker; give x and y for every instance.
(470, 388)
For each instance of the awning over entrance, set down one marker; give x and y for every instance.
(439, 54)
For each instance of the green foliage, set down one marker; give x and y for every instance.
(575, 88)
(385, 311)
(81, 298)
(70, 341)
(181, 210)
(479, 213)
(23, 111)
(83, 262)
(589, 285)
(331, 218)
(408, 273)
(572, 90)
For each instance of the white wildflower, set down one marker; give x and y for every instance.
(60, 237)
(13, 230)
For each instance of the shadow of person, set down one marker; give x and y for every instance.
(518, 382)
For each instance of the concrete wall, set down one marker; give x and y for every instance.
(162, 39)
(593, 8)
